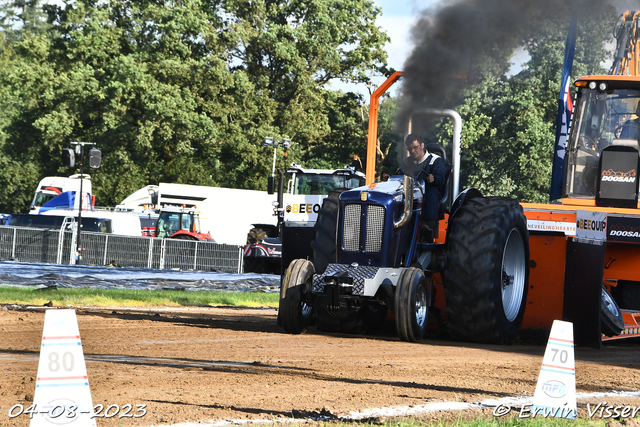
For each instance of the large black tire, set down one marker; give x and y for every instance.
(324, 242)
(411, 305)
(611, 320)
(486, 275)
(295, 309)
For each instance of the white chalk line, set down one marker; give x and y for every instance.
(397, 411)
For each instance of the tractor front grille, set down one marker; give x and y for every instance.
(352, 215)
(354, 221)
(375, 229)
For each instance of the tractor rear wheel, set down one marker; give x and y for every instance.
(611, 320)
(487, 270)
(295, 297)
(411, 305)
(324, 242)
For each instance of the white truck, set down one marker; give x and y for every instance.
(56, 205)
(270, 247)
(51, 187)
(194, 212)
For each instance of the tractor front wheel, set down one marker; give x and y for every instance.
(411, 304)
(295, 308)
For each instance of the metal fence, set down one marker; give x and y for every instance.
(58, 247)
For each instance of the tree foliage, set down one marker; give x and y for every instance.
(183, 91)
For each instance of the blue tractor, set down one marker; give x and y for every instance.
(368, 259)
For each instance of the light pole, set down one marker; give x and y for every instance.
(268, 142)
(271, 181)
(95, 157)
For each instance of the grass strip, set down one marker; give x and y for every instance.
(93, 297)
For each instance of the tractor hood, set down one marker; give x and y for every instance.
(393, 187)
(377, 223)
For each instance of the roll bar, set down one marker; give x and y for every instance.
(457, 132)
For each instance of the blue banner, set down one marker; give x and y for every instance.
(565, 107)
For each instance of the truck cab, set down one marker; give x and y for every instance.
(601, 163)
(51, 187)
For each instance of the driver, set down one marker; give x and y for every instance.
(631, 128)
(432, 165)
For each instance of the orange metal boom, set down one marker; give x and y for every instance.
(373, 125)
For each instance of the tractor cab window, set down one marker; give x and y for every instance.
(322, 184)
(168, 224)
(599, 119)
(190, 222)
(317, 184)
(187, 222)
(354, 182)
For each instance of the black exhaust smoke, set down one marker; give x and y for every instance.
(459, 43)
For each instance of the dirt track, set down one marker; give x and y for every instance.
(220, 363)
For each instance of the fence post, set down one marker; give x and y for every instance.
(195, 257)
(240, 259)
(60, 246)
(13, 245)
(106, 246)
(150, 260)
(74, 248)
(162, 253)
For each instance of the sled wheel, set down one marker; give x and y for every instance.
(295, 308)
(411, 305)
(487, 270)
(611, 320)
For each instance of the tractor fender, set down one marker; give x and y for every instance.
(469, 193)
(187, 235)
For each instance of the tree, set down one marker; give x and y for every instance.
(289, 51)
(185, 91)
(19, 17)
